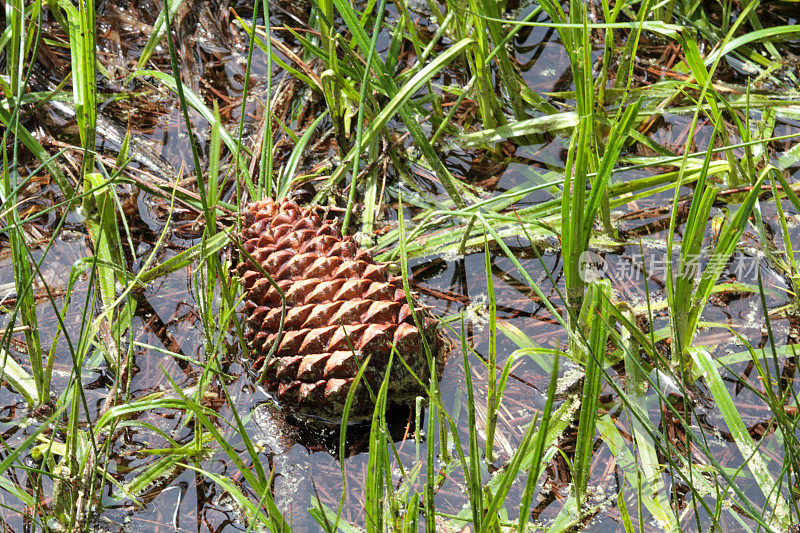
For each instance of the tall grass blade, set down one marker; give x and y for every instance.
(596, 311)
(778, 514)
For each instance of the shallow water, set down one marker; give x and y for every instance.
(304, 459)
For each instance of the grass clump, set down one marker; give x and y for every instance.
(623, 285)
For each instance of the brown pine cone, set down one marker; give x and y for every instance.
(341, 306)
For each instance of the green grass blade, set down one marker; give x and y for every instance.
(753, 458)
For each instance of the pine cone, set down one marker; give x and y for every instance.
(341, 306)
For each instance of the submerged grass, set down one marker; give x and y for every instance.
(643, 390)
